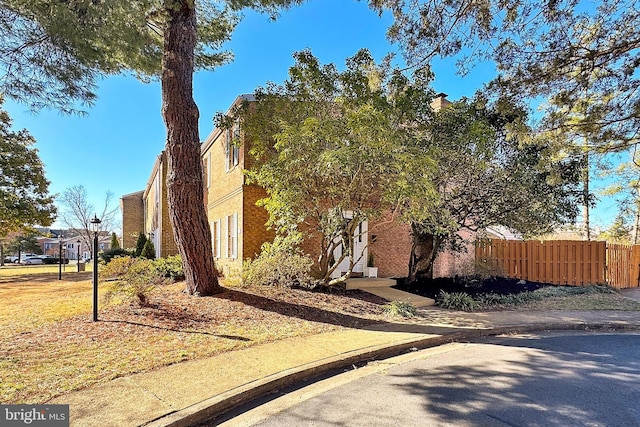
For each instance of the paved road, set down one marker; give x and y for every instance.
(552, 379)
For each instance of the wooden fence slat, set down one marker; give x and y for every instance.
(562, 262)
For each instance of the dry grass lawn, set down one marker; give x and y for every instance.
(49, 345)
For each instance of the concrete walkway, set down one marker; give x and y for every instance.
(190, 392)
(383, 288)
(631, 293)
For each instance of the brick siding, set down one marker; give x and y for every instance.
(132, 207)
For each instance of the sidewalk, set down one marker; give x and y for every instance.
(189, 392)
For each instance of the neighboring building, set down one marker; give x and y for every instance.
(132, 207)
(238, 224)
(74, 246)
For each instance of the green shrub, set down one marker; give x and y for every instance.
(399, 309)
(170, 267)
(108, 255)
(133, 279)
(456, 301)
(277, 268)
(148, 251)
(117, 268)
(142, 239)
(115, 244)
(510, 300)
(564, 291)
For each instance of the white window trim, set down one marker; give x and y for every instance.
(217, 237)
(232, 236)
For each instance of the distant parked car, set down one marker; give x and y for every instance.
(27, 255)
(32, 260)
(48, 259)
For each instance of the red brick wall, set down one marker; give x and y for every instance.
(132, 208)
(450, 264)
(391, 247)
(254, 231)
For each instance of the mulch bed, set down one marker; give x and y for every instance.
(498, 285)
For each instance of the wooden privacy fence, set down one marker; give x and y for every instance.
(562, 262)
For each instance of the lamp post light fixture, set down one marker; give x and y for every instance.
(95, 226)
(78, 249)
(60, 237)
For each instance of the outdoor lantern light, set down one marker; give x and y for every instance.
(60, 237)
(95, 226)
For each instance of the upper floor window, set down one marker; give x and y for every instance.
(232, 147)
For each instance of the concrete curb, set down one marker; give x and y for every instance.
(224, 402)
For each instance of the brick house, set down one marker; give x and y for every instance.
(238, 224)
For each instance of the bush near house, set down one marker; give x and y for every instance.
(170, 267)
(133, 279)
(274, 267)
(108, 255)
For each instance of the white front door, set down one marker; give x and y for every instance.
(359, 242)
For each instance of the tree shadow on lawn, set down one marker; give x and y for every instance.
(315, 314)
(69, 276)
(180, 330)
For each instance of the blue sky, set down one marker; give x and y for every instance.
(114, 147)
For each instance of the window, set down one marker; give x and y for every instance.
(232, 147)
(236, 146)
(216, 234)
(232, 236)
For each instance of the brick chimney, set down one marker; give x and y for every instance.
(440, 101)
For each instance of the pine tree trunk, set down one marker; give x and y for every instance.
(185, 185)
(585, 194)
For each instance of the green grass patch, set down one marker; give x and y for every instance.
(399, 309)
(595, 297)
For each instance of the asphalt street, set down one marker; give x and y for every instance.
(541, 379)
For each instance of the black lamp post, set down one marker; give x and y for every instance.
(78, 254)
(60, 256)
(95, 225)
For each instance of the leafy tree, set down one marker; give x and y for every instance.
(328, 146)
(618, 232)
(148, 251)
(53, 52)
(78, 212)
(565, 51)
(624, 185)
(115, 243)
(24, 243)
(140, 243)
(486, 177)
(24, 190)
